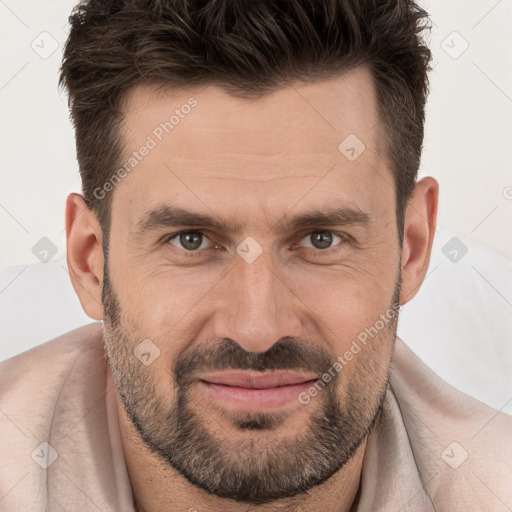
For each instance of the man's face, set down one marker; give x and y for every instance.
(271, 297)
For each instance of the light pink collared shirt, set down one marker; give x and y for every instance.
(434, 449)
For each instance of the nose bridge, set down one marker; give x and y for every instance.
(258, 306)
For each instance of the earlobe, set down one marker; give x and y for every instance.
(84, 254)
(419, 230)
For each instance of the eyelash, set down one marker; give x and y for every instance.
(344, 238)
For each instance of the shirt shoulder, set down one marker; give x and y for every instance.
(33, 374)
(461, 447)
(59, 436)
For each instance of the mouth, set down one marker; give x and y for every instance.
(251, 391)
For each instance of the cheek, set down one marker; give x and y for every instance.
(351, 297)
(168, 306)
(168, 295)
(348, 308)
(168, 299)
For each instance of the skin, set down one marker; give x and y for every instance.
(254, 162)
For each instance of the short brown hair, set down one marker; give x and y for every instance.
(249, 48)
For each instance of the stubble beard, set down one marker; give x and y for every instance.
(251, 461)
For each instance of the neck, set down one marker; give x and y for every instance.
(157, 487)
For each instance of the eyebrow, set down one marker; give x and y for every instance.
(167, 216)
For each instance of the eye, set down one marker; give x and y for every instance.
(193, 241)
(190, 240)
(322, 240)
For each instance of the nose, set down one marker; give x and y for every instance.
(258, 308)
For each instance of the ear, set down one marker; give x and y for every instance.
(84, 254)
(419, 230)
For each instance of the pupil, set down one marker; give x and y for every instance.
(187, 241)
(322, 239)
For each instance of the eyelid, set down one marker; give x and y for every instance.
(344, 238)
(167, 238)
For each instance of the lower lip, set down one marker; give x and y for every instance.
(256, 399)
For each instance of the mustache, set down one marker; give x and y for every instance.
(286, 354)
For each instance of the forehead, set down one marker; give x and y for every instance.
(301, 144)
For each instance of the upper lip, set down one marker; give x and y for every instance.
(258, 380)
